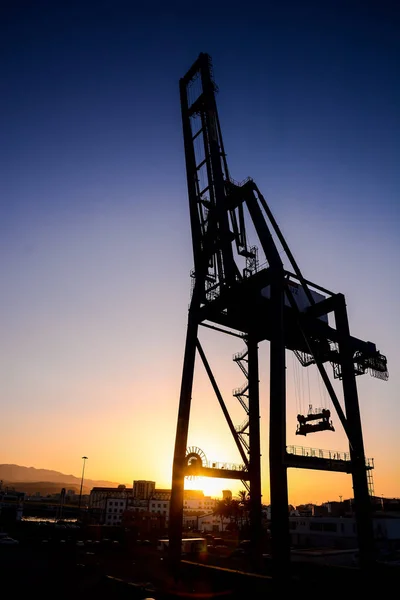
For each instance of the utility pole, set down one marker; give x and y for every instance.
(84, 458)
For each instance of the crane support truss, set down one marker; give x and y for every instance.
(235, 294)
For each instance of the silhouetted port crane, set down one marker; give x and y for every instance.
(237, 294)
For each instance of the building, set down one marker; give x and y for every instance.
(143, 522)
(108, 505)
(340, 532)
(161, 494)
(99, 502)
(159, 507)
(113, 510)
(98, 495)
(210, 522)
(143, 490)
(195, 501)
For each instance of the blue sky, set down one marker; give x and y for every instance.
(94, 225)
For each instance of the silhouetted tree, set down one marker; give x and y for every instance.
(222, 510)
(244, 507)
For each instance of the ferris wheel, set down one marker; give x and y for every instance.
(194, 459)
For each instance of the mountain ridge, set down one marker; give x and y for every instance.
(14, 474)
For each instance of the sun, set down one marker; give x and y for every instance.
(212, 487)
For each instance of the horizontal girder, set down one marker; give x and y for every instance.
(219, 473)
(321, 460)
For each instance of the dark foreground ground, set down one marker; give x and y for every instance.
(62, 570)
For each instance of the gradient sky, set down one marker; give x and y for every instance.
(94, 225)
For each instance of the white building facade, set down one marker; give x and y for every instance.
(340, 532)
(108, 504)
(114, 509)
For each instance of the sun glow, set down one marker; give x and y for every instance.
(213, 487)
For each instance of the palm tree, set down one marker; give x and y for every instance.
(244, 496)
(235, 512)
(223, 510)
(244, 506)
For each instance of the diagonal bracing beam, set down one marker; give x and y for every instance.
(222, 404)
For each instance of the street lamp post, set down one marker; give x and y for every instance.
(84, 458)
